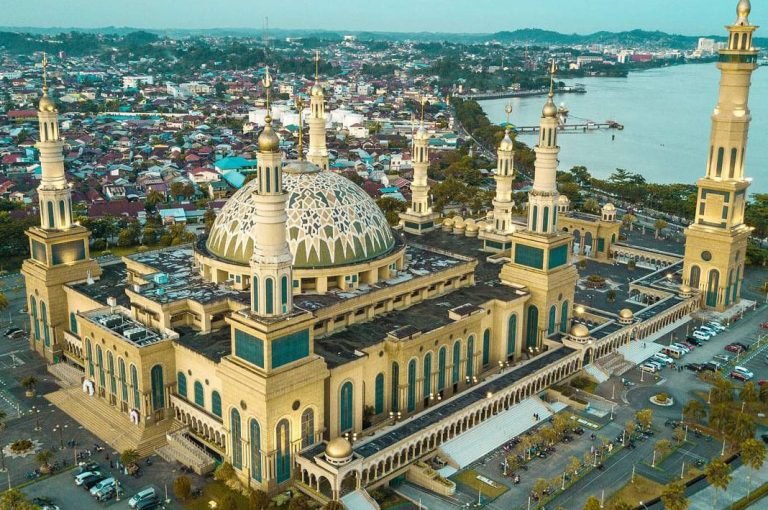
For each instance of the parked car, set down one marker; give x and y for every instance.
(742, 345)
(739, 376)
(722, 358)
(102, 485)
(689, 345)
(700, 335)
(715, 325)
(742, 370)
(84, 467)
(682, 347)
(647, 367)
(658, 364)
(694, 341)
(712, 366)
(143, 494)
(79, 479)
(706, 329)
(148, 504)
(734, 348)
(663, 358)
(14, 333)
(89, 483)
(694, 367)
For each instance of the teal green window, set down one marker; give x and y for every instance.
(35, 321)
(427, 386)
(71, 251)
(62, 213)
(135, 386)
(158, 387)
(345, 407)
(44, 317)
(600, 244)
(181, 384)
(532, 328)
(111, 371)
(529, 256)
(558, 256)
(552, 320)
(237, 443)
(511, 334)
(89, 356)
(395, 390)
(456, 368)
(269, 290)
(290, 348)
(216, 403)
(728, 288)
(411, 386)
(123, 380)
(564, 317)
(735, 290)
(199, 394)
(255, 441)
(283, 451)
(545, 222)
(100, 365)
(378, 394)
(486, 347)
(441, 355)
(470, 356)
(249, 348)
(535, 217)
(284, 293)
(307, 428)
(255, 292)
(714, 282)
(50, 214)
(73, 322)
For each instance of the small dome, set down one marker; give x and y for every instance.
(626, 313)
(316, 90)
(268, 139)
(458, 223)
(421, 134)
(579, 331)
(338, 449)
(482, 225)
(506, 143)
(549, 110)
(473, 228)
(685, 288)
(47, 104)
(563, 199)
(469, 222)
(609, 207)
(448, 222)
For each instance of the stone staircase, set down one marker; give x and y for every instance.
(359, 500)
(180, 448)
(615, 364)
(66, 375)
(110, 425)
(597, 372)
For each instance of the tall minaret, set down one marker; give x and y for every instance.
(318, 151)
(716, 242)
(542, 203)
(271, 263)
(54, 194)
(419, 218)
(505, 174)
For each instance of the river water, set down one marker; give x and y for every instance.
(666, 117)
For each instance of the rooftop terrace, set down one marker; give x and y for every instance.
(117, 319)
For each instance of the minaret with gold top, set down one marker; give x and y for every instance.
(540, 256)
(419, 217)
(318, 150)
(59, 247)
(716, 243)
(497, 238)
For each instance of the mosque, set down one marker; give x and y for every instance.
(306, 342)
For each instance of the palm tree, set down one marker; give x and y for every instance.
(742, 427)
(128, 457)
(629, 220)
(592, 504)
(673, 496)
(748, 392)
(43, 458)
(719, 476)
(3, 302)
(753, 455)
(659, 225)
(694, 410)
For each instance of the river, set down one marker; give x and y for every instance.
(666, 117)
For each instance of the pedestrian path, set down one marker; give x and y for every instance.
(737, 489)
(638, 351)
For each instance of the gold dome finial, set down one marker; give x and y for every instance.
(268, 140)
(46, 103)
(300, 109)
(550, 110)
(316, 89)
(267, 82)
(743, 8)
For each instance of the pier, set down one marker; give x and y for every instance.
(481, 96)
(582, 127)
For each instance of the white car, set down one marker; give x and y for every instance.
(663, 358)
(648, 367)
(82, 476)
(102, 485)
(715, 325)
(709, 331)
(701, 335)
(744, 371)
(681, 347)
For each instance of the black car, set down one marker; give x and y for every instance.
(14, 333)
(742, 345)
(90, 481)
(694, 341)
(148, 504)
(694, 367)
(710, 367)
(88, 466)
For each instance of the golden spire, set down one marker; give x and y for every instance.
(508, 111)
(317, 66)
(550, 110)
(552, 71)
(423, 101)
(742, 11)
(267, 82)
(300, 109)
(45, 74)
(268, 140)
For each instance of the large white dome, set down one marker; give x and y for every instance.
(331, 221)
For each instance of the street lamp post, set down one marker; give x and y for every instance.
(60, 430)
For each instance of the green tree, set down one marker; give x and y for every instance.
(258, 500)
(208, 218)
(182, 487)
(44, 457)
(591, 206)
(333, 505)
(673, 496)
(718, 475)
(298, 502)
(224, 472)
(228, 502)
(752, 455)
(722, 389)
(749, 393)
(592, 504)
(391, 209)
(644, 418)
(14, 499)
(539, 486)
(154, 197)
(694, 411)
(678, 434)
(663, 447)
(622, 505)
(741, 427)
(659, 225)
(3, 302)
(574, 465)
(128, 457)
(177, 189)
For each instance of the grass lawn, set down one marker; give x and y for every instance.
(469, 479)
(120, 251)
(215, 491)
(642, 490)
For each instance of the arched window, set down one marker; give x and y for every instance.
(411, 404)
(534, 217)
(255, 441)
(732, 170)
(44, 318)
(532, 328)
(255, 292)
(73, 322)
(49, 207)
(712, 287)
(283, 451)
(135, 386)
(346, 421)
(158, 387)
(35, 322)
(235, 433)
(427, 375)
(199, 394)
(613, 238)
(456, 368)
(552, 319)
(307, 428)
(728, 288)
(111, 370)
(284, 293)
(470, 370)
(378, 394)
(720, 156)
(216, 403)
(695, 279)
(62, 213)
(545, 220)
(277, 180)
(564, 317)
(269, 291)
(735, 291)
(441, 355)
(268, 175)
(181, 384)
(123, 380)
(395, 397)
(486, 347)
(89, 356)
(100, 365)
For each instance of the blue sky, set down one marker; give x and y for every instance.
(678, 16)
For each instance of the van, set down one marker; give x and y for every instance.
(107, 483)
(658, 364)
(647, 367)
(144, 494)
(701, 335)
(672, 351)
